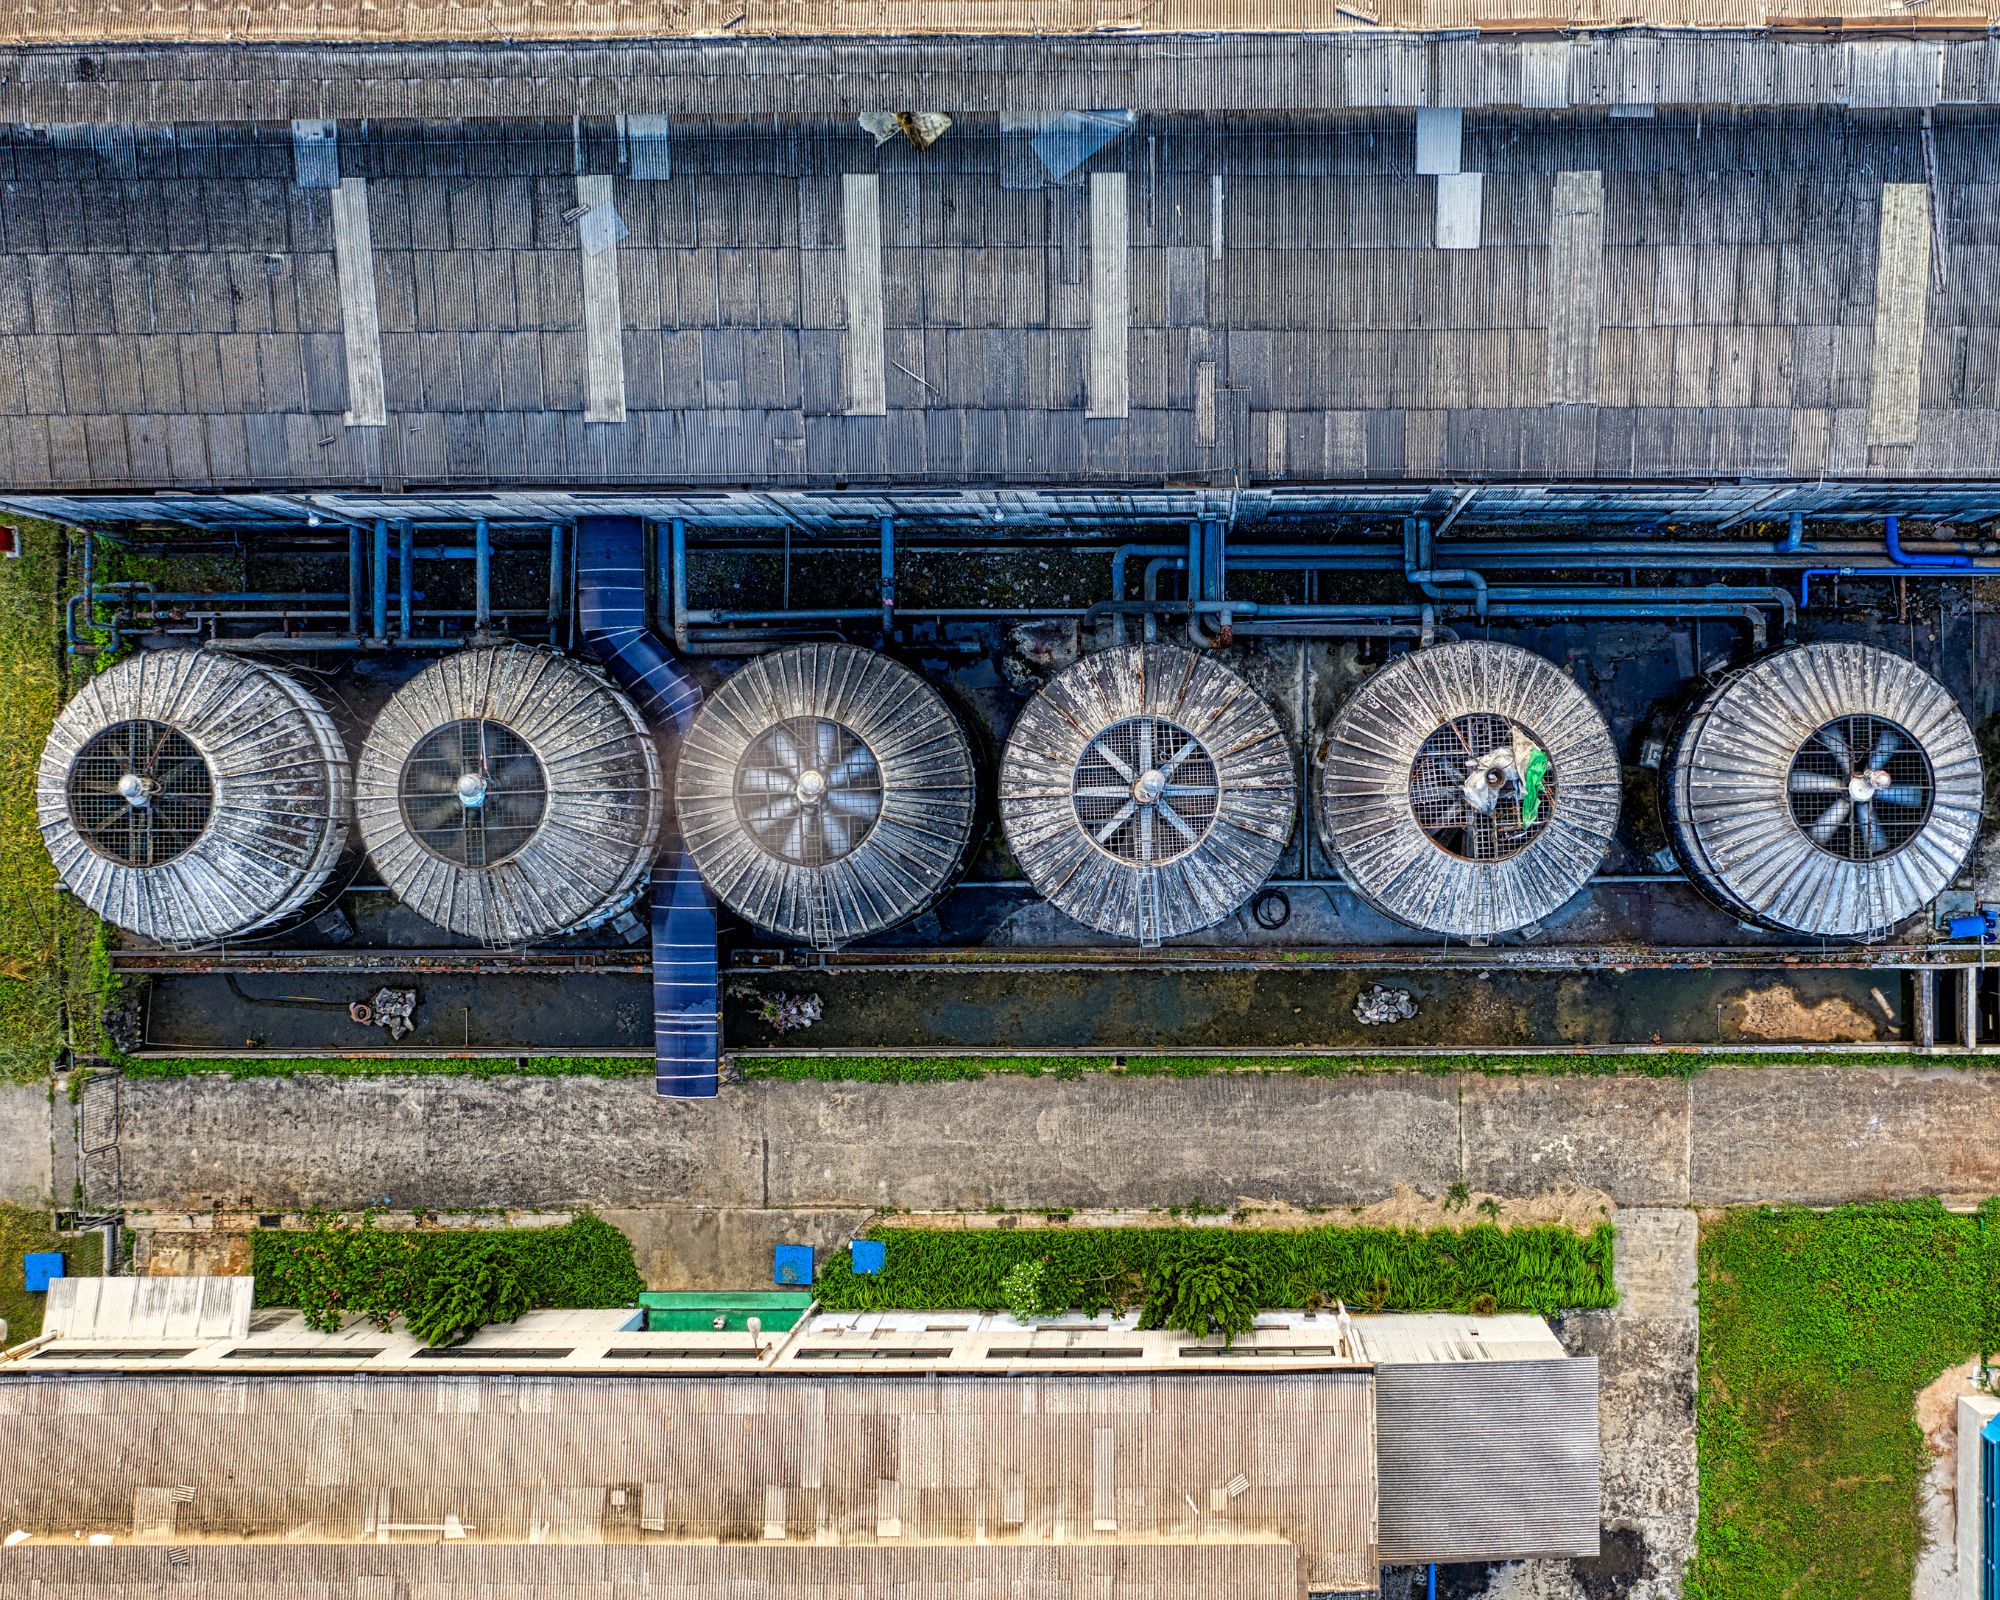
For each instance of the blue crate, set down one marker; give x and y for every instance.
(868, 1255)
(792, 1264)
(39, 1267)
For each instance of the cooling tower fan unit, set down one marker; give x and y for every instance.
(1828, 789)
(189, 796)
(1468, 789)
(826, 793)
(1147, 791)
(508, 794)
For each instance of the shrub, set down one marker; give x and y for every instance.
(441, 1281)
(1539, 1269)
(1201, 1295)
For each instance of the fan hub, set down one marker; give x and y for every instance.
(1149, 786)
(811, 787)
(135, 790)
(471, 790)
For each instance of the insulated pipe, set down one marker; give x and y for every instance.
(1418, 570)
(405, 580)
(555, 582)
(888, 576)
(380, 574)
(354, 580)
(482, 576)
(1955, 562)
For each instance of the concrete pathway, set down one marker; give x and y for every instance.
(1726, 1137)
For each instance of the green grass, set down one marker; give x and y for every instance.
(1817, 1329)
(20, 1232)
(389, 1066)
(1543, 1269)
(53, 975)
(1682, 1063)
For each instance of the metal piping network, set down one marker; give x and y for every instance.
(366, 596)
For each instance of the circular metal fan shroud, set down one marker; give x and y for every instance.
(1147, 791)
(1749, 839)
(189, 795)
(826, 793)
(1385, 795)
(508, 794)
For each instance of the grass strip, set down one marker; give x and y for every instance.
(1650, 1064)
(54, 976)
(391, 1067)
(20, 1232)
(1542, 1269)
(1817, 1331)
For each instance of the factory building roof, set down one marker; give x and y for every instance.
(866, 1450)
(1229, 301)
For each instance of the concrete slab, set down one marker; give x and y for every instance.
(1625, 1135)
(354, 266)
(861, 236)
(26, 1178)
(1902, 295)
(1822, 1136)
(1110, 296)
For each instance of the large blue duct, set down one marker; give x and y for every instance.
(611, 591)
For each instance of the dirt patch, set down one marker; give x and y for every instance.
(1936, 1577)
(1403, 1207)
(1779, 1014)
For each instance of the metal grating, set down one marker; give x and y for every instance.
(1147, 791)
(1406, 810)
(1860, 788)
(1467, 790)
(140, 793)
(189, 795)
(473, 792)
(1750, 808)
(826, 793)
(809, 790)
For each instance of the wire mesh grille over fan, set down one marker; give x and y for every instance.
(1470, 789)
(188, 796)
(508, 794)
(1828, 789)
(473, 792)
(1147, 791)
(826, 793)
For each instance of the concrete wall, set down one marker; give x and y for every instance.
(1727, 1137)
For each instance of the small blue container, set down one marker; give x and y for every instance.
(868, 1255)
(40, 1267)
(792, 1264)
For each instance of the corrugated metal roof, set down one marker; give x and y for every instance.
(1453, 1442)
(858, 1462)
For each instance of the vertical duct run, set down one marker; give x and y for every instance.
(611, 589)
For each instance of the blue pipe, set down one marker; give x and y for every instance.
(1795, 533)
(1417, 568)
(482, 575)
(381, 576)
(354, 580)
(1433, 1590)
(405, 583)
(1894, 545)
(888, 574)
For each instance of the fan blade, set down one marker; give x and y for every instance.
(1830, 821)
(1816, 783)
(1104, 791)
(1100, 748)
(825, 737)
(1180, 755)
(787, 754)
(1204, 791)
(1175, 818)
(1886, 746)
(1833, 740)
(1910, 795)
(1118, 819)
(1878, 836)
(1146, 833)
(857, 763)
(1145, 744)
